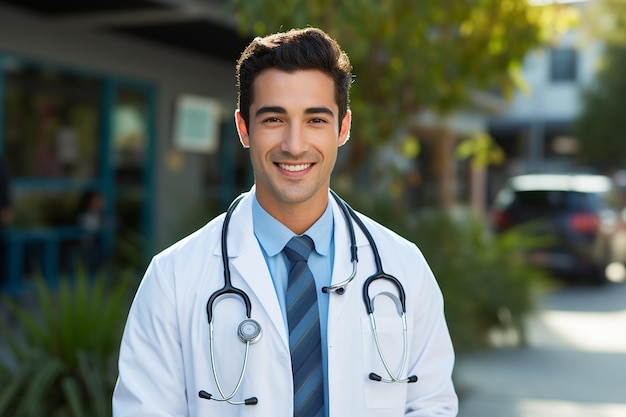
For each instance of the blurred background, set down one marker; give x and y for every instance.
(487, 132)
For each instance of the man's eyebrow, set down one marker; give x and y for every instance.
(317, 110)
(270, 109)
(282, 110)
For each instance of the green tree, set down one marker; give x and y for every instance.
(598, 127)
(413, 55)
(607, 21)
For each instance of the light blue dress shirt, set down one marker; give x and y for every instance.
(272, 237)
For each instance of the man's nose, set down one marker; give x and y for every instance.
(294, 140)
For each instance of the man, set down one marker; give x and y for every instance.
(293, 116)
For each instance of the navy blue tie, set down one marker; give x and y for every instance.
(304, 330)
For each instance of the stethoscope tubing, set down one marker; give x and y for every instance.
(227, 398)
(228, 289)
(350, 216)
(339, 288)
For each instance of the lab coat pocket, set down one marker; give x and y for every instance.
(380, 394)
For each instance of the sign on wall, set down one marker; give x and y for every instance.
(197, 122)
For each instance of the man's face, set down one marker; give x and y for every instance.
(293, 135)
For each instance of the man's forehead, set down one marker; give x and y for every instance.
(318, 80)
(306, 91)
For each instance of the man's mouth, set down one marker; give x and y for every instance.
(294, 168)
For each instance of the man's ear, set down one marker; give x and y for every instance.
(344, 131)
(242, 129)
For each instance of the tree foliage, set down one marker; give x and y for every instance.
(412, 55)
(607, 21)
(598, 127)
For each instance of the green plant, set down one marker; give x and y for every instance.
(62, 349)
(129, 255)
(485, 282)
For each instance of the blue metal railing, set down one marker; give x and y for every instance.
(46, 259)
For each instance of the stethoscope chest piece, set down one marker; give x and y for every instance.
(249, 331)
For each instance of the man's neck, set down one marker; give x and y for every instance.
(298, 217)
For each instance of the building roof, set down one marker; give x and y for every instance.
(201, 26)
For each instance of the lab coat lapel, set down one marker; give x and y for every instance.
(247, 264)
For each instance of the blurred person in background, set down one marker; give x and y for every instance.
(90, 217)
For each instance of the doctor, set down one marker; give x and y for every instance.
(293, 116)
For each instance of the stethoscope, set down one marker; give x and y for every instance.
(249, 330)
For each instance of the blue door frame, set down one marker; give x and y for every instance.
(50, 238)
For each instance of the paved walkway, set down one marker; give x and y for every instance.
(574, 366)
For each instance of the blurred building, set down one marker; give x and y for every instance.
(134, 100)
(535, 127)
(131, 99)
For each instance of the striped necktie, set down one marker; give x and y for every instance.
(304, 330)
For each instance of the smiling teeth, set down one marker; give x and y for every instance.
(294, 168)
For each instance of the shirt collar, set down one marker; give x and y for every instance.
(273, 235)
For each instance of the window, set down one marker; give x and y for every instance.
(130, 137)
(51, 124)
(563, 64)
(67, 143)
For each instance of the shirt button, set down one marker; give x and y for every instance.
(283, 357)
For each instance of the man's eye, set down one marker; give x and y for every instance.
(318, 120)
(271, 120)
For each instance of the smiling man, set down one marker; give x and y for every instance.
(263, 312)
(293, 134)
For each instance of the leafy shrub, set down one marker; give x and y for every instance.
(484, 280)
(483, 277)
(62, 351)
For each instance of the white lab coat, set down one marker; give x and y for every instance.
(165, 358)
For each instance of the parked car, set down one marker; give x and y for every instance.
(580, 213)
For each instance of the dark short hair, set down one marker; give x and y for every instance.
(297, 49)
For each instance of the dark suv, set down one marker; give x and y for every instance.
(580, 213)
